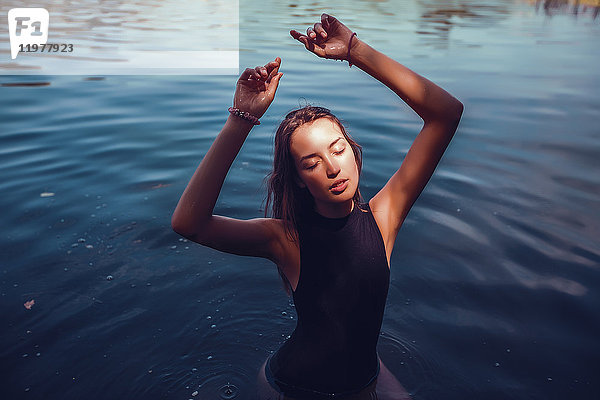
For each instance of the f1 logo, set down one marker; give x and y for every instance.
(27, 26)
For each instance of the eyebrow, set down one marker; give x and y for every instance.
(315, 154)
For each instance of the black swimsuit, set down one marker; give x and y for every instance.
(340, 299)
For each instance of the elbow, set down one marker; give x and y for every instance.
(455, 111)
(179, 225)
(176, 220)
(450, 118)
(460, 109)
(447, 113)
(453, 115)
(184, 231)
(192, 231)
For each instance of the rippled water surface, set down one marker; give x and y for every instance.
(494, 275)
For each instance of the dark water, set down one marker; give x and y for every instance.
(495, 273)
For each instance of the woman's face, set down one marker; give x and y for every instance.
(325, 164)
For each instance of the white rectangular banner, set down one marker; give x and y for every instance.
(170, 37)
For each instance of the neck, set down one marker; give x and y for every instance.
(336, 210)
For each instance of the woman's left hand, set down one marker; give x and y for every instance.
(256, 87)
(327, 39)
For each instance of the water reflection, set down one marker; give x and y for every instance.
(437, 18)
(575, 7)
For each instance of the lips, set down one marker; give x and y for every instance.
(339, 186)
(338, 183)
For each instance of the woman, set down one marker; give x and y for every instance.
(331, 251)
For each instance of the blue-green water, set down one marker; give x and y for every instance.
(494, 275)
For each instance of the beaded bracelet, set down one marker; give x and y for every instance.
(244, 115)
(349, 46)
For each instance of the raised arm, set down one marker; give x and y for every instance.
(439, 110)
(193, 217)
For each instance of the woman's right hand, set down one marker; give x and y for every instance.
(256, 87)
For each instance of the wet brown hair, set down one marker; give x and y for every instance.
(287, 199)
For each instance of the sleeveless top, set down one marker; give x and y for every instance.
(340, 300)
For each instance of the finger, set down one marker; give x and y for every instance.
(273, 65)
(272, 71)
(327, 20)
(320, 31)
(302, 39)
(274, 84)
(248, 72)
(295, 34)
(272, 74)
(261, 72)
(310, 32)
(307, 43)
(252, 74)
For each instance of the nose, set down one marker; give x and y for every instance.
(332, 167)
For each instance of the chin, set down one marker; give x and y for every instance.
(344, 197)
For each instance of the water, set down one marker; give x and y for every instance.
(494, 290)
